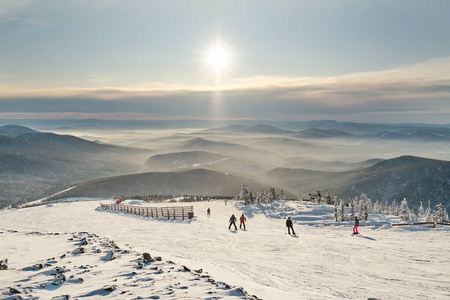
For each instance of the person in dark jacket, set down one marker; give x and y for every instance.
(290, 226)
(242, 219)
(233, 222)
(208, 212)
(355, 229)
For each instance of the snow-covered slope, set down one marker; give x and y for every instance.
(322, 262)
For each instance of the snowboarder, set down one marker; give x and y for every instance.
(355, 229)
(242, 219)
(233, 222)
(290, 226)
(208, 212)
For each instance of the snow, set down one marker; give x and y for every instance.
(322, 262)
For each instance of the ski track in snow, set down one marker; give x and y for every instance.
(323, 262)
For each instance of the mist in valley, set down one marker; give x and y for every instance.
(345, 159)
(263, 156)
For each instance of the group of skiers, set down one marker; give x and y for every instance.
(289, 223)
(233, 220)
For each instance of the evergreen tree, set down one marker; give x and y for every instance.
(369, 206)
(420, 212)
(352, 209)
(361, 202)
(377, 207)
(328, 198)
(405, 213)
(343, 216)
(394, 208)
(363, 213)
(439, 214)
(386, 207)
(427, 217)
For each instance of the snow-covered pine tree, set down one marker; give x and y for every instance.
(420, 212)
(385, 208)
(439, 214)
(376, 207)
(272, 196)
(361, 202)
(343, 215)
(394, 208)
(328, 198)
(244, 193)
(405, 213)
(369, 205)
(363, 214)
(428, 215)
(352, 209)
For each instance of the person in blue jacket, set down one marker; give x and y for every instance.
(233, 222)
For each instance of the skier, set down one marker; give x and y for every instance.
(233, 222)
(242, 219)
(355, 229)
(208, 212)
(289, 226)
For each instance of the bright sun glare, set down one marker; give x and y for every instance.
(218, 58)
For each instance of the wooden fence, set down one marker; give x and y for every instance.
(426, 224)
(182, 212)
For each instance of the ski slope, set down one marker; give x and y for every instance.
(322, 262)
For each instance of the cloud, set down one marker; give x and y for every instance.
(411, 91)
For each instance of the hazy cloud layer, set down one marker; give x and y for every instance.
(418, 92)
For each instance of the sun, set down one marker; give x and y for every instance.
(218, 58)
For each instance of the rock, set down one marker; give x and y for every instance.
(186, 269)
(110, 288)
(60, 270)
(4, 264)
(158, 258)
(62, 297)
(199, 270)
(147, 256)
(109, 256)
(14, 291)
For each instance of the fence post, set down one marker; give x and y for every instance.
(162, 212)
(182, 212)
(174, 213)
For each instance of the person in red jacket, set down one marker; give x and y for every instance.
(242, 219)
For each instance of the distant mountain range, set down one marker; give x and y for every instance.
(297, 158)
(33, 162)
(333, 129)
(417, 179)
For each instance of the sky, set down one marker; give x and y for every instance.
(349, 60)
